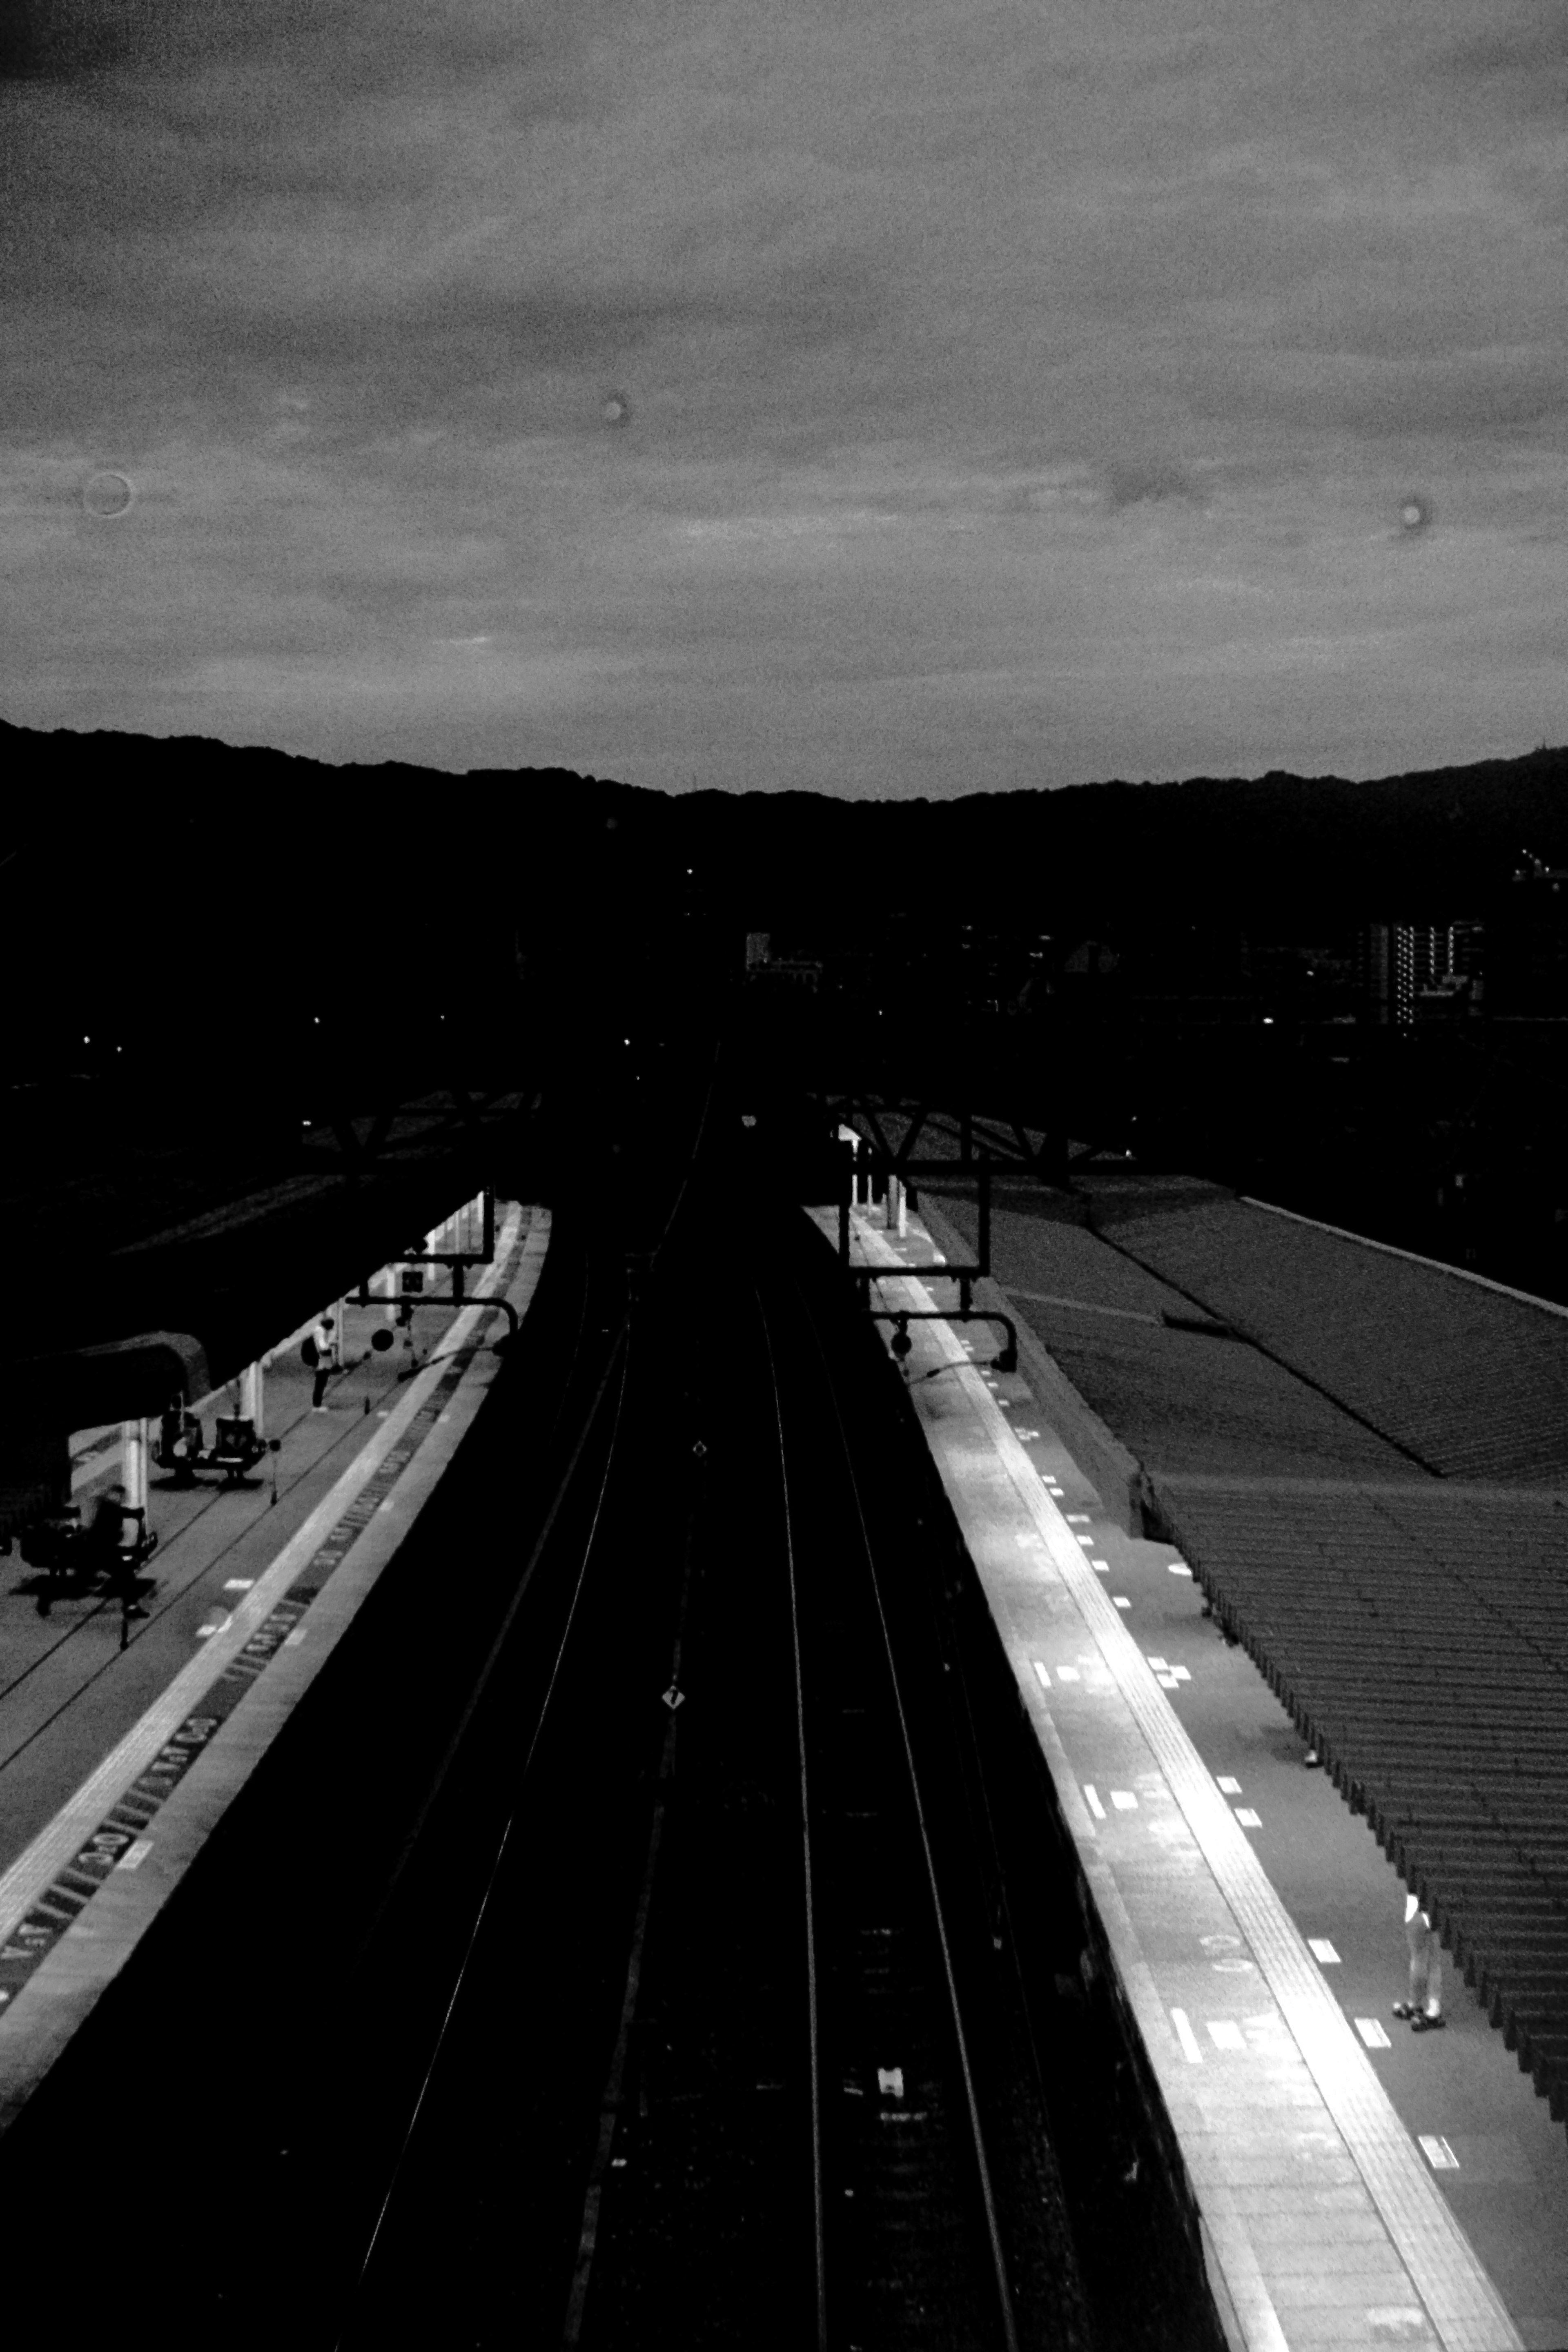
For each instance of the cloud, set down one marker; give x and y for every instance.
(993, 357)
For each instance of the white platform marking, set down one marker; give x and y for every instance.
(1168, 1681)
(1372, 2034)
(1190, 2046)
(1248, 1818)
(1438, 2154)
(1182, 1674)
(239, 1583)
(135, 1855)
(1321, 1949)
(1091, 1798)
(1044, 1675)
(1178, 1568)
(1232, 1787)
(1077, 1519)
(1122, 1600)
(1226, 2034)
(1159, 1666)
(292, 1640)
(1068, 1675)
(1124, 1800)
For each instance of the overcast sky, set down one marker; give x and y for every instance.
(886, 399)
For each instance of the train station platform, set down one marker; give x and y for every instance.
(122, 1744)
(1359, 2185)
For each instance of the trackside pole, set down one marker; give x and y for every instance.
(134, 1464)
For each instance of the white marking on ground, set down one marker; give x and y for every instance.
(1232, 1787)
(1190, 2046)
(1248, 1818)
(1321, 1949)
(1226, 2034)
(1044, 1675)
(1124, 1800)
(1372, 2034)
(135, 1855)
(1091, 1798)
(1122, 1600)
(1068, 1675)
(1438, 2154)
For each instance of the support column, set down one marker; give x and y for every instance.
(388, 1280)
(252, 1391)
(894, 1220)
(133, 1464)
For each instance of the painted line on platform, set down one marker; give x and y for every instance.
(1424, 2233)
(1192, 2048)
(160, 1747)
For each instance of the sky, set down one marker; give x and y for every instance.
(920, 398)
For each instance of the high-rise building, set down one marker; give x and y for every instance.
(1387, 960)
(1404, 970)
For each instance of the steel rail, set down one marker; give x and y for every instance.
(811, 1983)
(621, 1351)
(977, 2135)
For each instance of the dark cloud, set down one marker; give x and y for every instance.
(1532, 46)
(1135, 481)
(368, 50)
(674, 376)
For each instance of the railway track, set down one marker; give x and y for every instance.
(696, 1971)
(819, 2079)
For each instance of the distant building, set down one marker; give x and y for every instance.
(1409, 971)
(780, 971)
(795, 971)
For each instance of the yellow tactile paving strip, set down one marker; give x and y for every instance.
(1323, 2217)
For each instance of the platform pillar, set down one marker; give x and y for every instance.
(133, 1462)
(252, 1391)
(388, 1279)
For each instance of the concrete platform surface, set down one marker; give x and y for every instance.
(116, 1762)
(1359, 2185)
